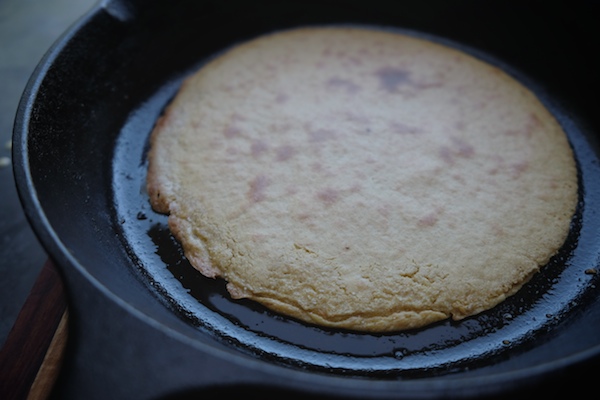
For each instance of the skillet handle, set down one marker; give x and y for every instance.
(32, 354)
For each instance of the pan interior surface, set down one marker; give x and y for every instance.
(519, 324)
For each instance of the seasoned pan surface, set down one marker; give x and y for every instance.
(83, 136)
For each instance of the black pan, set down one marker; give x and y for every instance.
(146, 325)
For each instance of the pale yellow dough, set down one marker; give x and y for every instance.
(362, 179)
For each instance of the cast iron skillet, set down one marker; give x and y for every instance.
(80, 142)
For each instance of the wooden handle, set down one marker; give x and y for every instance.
(32, 354)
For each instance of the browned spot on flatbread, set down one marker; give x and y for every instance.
(344, 84)
(285, 152)
(391, 78)
(460, 125)
(358, 117)
(317, 167)
(462, 147)
(258, 148)
(518, 168)
(513, 169)
(321, 135)
(430, 219)
(259, 184)
(385, 210)
(230, 131)
(328, 195)
(458, 148)
(282, 98)
(404, 129)
(533, 123)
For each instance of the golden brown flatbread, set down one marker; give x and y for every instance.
(362, 179)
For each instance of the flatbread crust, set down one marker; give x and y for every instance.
(362, 179)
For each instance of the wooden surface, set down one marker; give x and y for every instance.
(32, 354)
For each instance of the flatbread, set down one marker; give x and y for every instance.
(362, 179)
